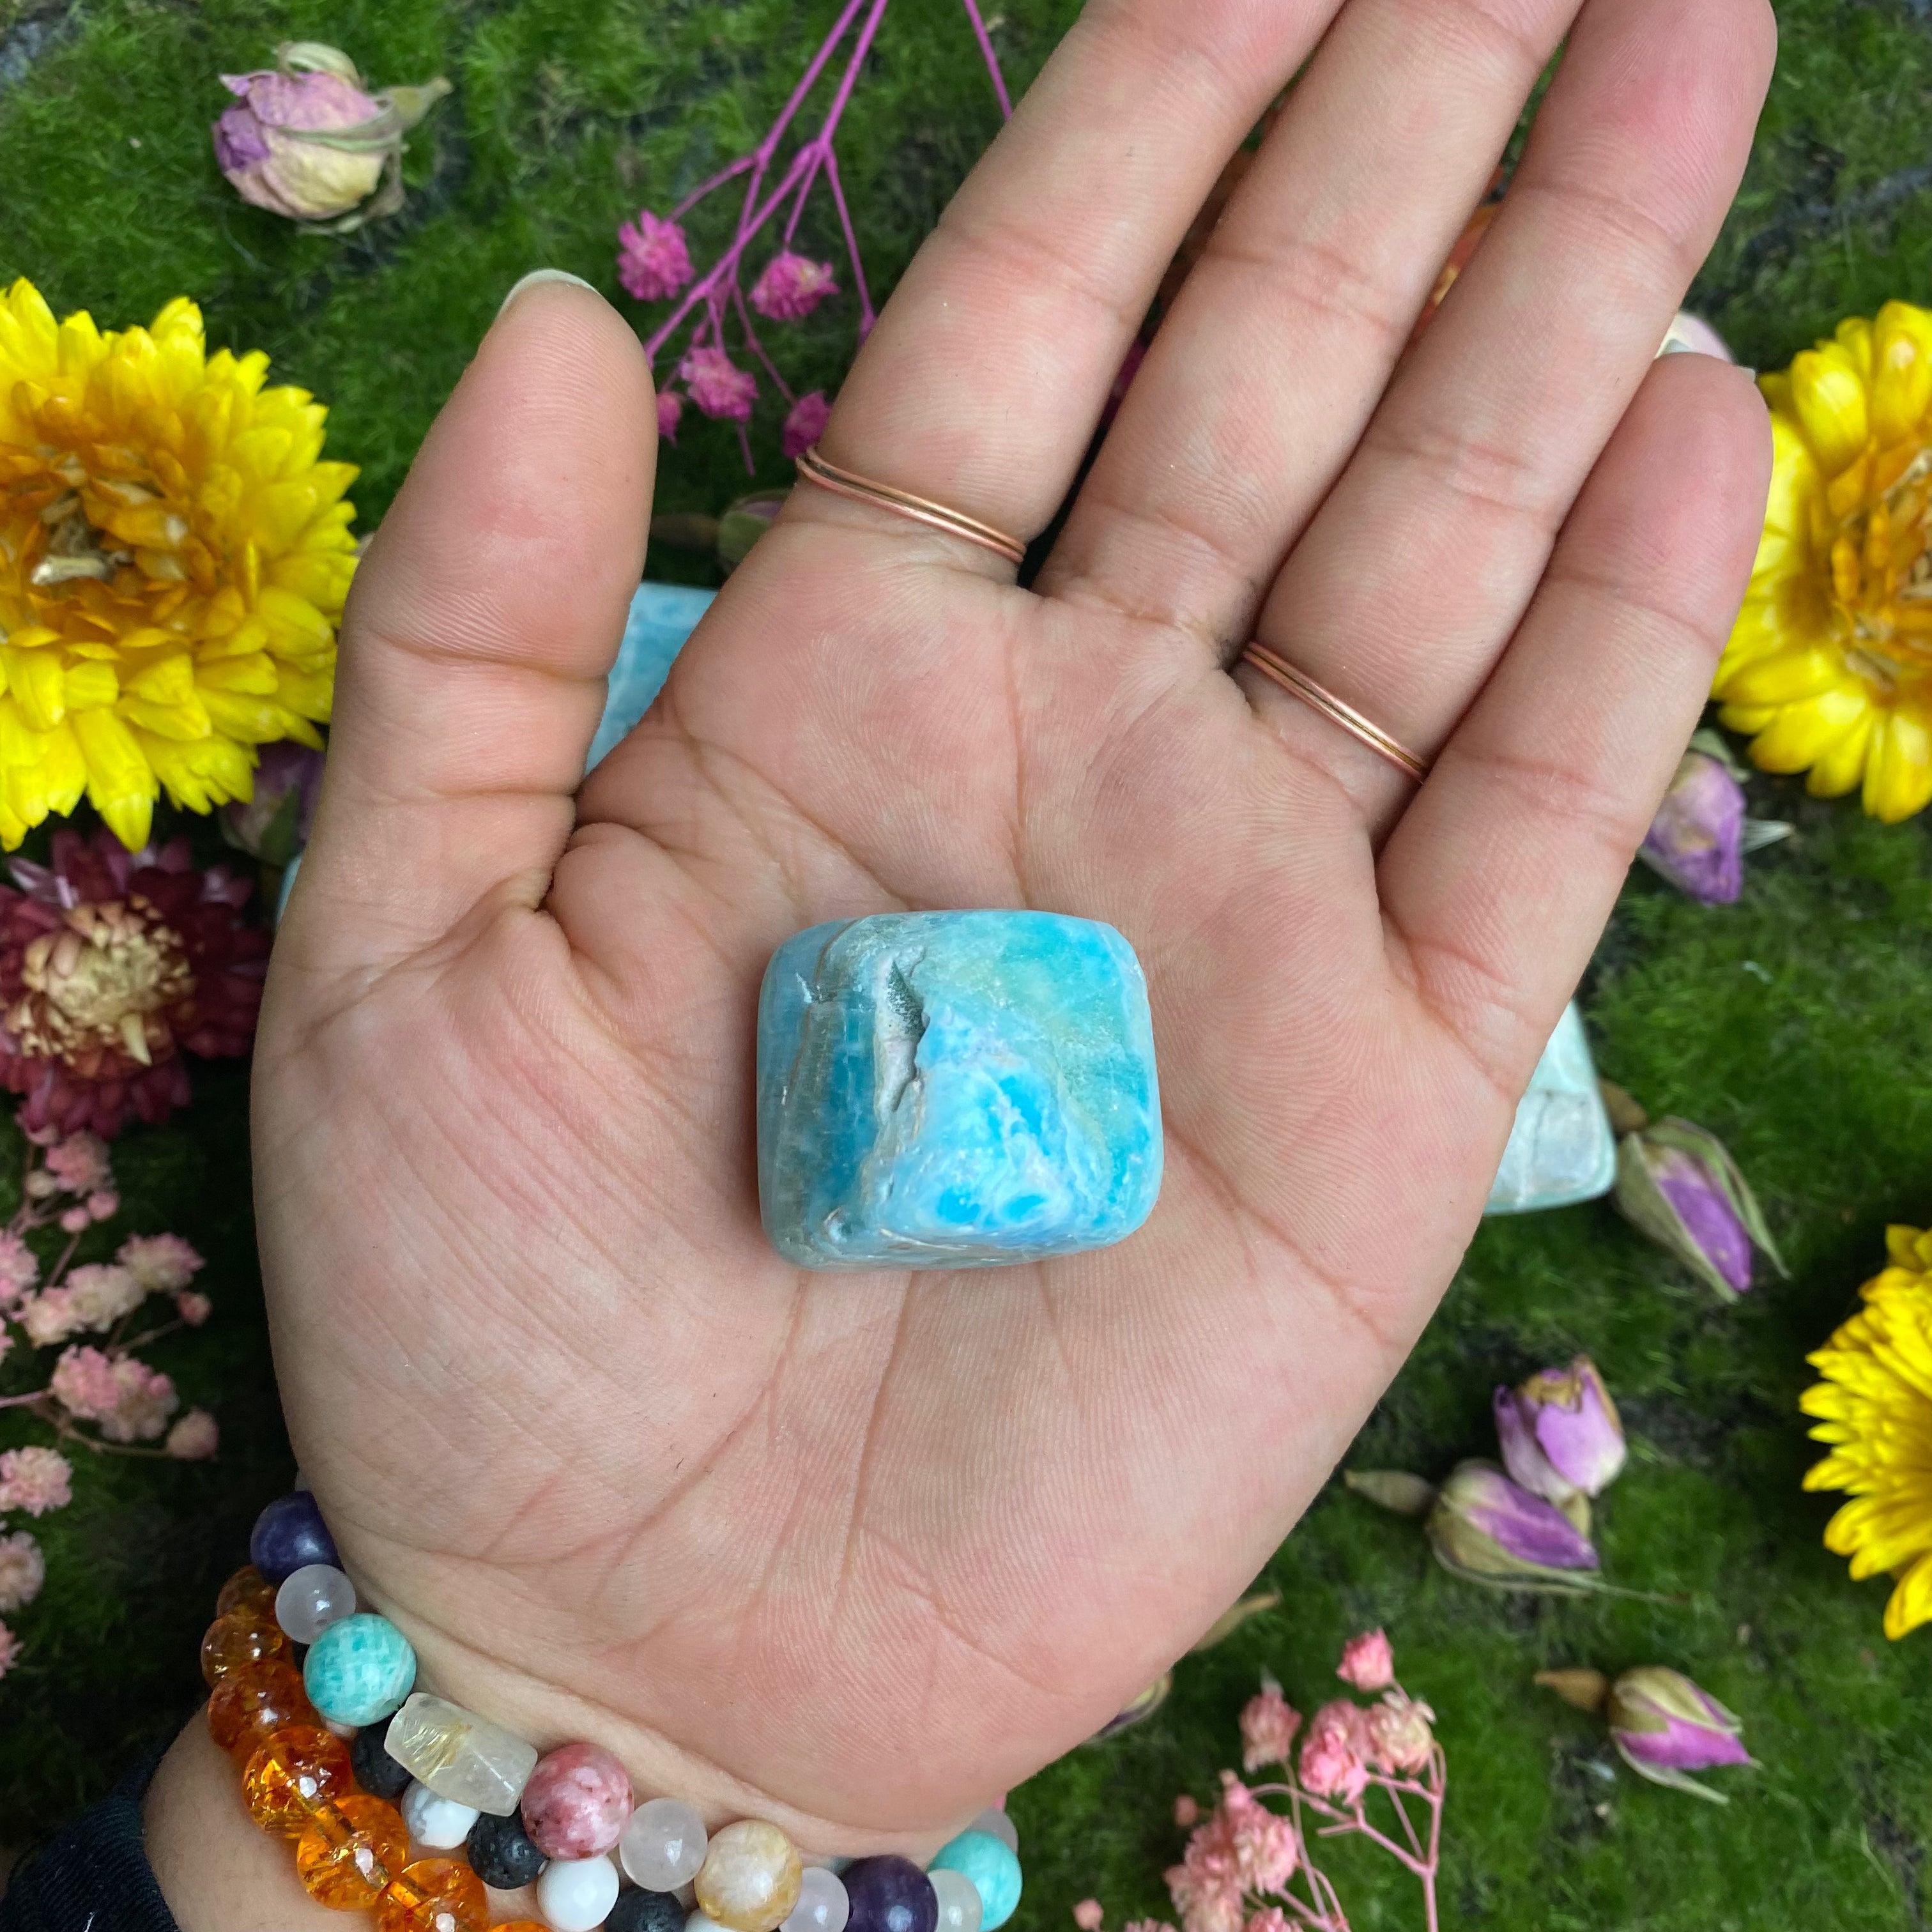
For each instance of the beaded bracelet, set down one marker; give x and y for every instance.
(347, 1757)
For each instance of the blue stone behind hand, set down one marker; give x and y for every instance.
(955, 1090)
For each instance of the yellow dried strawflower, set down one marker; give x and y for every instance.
(1876, 1403)
(1830, 667)
(173, 559)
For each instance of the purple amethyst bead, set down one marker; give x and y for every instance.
(890, 1894)
(287, 1534)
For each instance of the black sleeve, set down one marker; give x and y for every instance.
(93, 1877)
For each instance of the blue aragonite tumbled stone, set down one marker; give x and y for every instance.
(955, 1090)
(1560, 1148)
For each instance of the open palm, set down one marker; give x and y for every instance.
(860, 1551)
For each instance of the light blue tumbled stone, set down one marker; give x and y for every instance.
(955, 1090)
(993, 1866)
(1561, 1149)
(359, 1670)
(661, 616)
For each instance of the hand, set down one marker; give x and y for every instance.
(860, 1552)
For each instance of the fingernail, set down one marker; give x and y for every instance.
(537, 275)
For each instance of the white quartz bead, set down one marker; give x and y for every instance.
(824, 1906)
(664, 1844)
(312, 1598)
(993, 1819)
(576, 1894)
(440, 1823)
(702, 1921)
(960, 1908)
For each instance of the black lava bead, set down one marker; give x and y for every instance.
(890, 1894)
(646, 1912)
(501, 1853)
(288, 1534)
(376, 1771)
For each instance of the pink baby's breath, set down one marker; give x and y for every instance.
(49, 1317)
(1268, 1725)
(1186, 1811)
(102, 1292)
(1367, 1662)
(805, 423)
(147, 1399)
(791, 287)
(34, 1481)
(79, 1163)
(1087, 1915)
(19, 1269)
(103, 1204)
(1333, 1752)
(85, 1382)
(194, 1438)
(22, 1570)
(718, 385)
(670, 413)
(1399, 1737)
(160, 1263)
(193, 1309)
(10, 1650)
(653, 257)
(1269, 1918)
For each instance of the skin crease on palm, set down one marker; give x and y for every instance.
(859, 1553)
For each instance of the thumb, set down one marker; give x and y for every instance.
(478, 637)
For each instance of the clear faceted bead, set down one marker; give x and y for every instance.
(312, 1598)
(823, 1905)
(960, 1909)
(459, 1755)
(664, 1844)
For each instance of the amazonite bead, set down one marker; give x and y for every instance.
(955, 1090)
(995, 1869)
(359, 1670)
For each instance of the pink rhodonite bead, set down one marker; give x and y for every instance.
(577, 1802)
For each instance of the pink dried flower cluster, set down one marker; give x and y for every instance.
(1248, 1868)
(654, 262)
(101, 1397)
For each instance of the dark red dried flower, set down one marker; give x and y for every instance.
(111, 963)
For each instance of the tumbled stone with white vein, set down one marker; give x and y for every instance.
(458, 1755)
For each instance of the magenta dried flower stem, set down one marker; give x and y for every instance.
(719, 288)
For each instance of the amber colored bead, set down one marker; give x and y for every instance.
(350, 1849)
(251, 1705)
(242, 1637)
(434, 1895)
(299, 1768)
(247, 1589)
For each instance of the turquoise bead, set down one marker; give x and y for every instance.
(1561, 1149)
(993, 1866)
(359, 1670)
(955, 1090)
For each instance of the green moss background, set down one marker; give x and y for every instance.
(1796, 1024)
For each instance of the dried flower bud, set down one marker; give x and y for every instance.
(1663, 1725)
(1149, 1701)
(805, 424)
(305, 140)
(1697, 839)
(273, 825)
(1678, 1183)
(1483, 1527)
(1560, 1432)
(1586, 1689)
(745, 521)
(1395, 1490)
(194, 1439)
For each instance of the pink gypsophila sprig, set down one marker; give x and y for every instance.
(791, 287)
(22, 1570)
(1334, 1753)
(718, 386)
(160, 1263)
(1368, 1662)
(35, 1481)
(653, 257)
(1268, 1725)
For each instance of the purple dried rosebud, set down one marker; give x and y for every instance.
(718, 385)
(1560, 1432)
(1663, 1725)
(1697, 839)
(791, 287)
(805, 424)
(305, 140)
(1679, 1185)
(273, 825)
(653, 257)
(1487, 1529)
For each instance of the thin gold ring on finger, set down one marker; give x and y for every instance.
(1364, 730)
(815, 469)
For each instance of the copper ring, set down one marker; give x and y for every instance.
(1329, 707)
(815, 469)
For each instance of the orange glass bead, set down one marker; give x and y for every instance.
(299, 1768)
(242, 1637)
(247, 1589)
(520, 1925)
(251, 1705)
(350, 1849)
(434, 1895)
